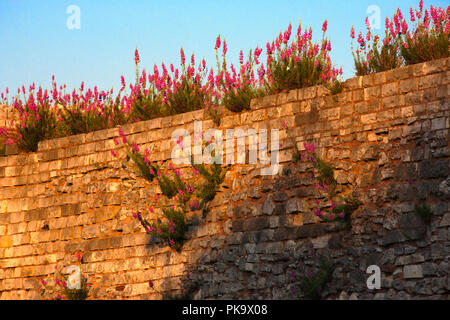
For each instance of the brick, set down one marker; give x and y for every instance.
(372, 93)
(389, 89)
(369, 118)
(408, 85)
(412, 272)
(438, 123)
(430, 81)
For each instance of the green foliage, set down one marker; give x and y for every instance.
(423, 210)
(57, 288)
(289, 74)
(313, 280)
(146, 107)
(378, 59)
(172, 187)
(31, 131)
(238, 93)
(311, 287)
(78, 294)
(326, 173)
(188, 97)
(336, 87)
(173, 229)
(146, 168)
(77, 119)
(425, 46)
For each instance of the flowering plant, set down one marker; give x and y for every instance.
(424, 38)
(428, 38)
(37, 121)
(60, 287)
(238, 88)
(326, 186)
(180, 196)
(374, 56)
(311, 281)
(298, 63)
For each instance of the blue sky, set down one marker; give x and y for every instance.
(36, 42)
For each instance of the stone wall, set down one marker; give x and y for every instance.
(383, 132)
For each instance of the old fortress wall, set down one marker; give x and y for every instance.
(382, 132)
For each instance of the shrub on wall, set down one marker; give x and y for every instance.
(177, 197)
(297, 62)
(424, 38)
(238, 87)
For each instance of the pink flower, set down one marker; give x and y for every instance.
(217, 42)
(324, 26)
(136, 56)
(135, 147)
(182, 57)
(150, 284)
(352, 33)
(342, 214)
(283, 124)
(78, 256)
(44, 283)
(333, 205)
(171, 242)
(318, 187)
(114, 154)
(330, 217)
(318, 212)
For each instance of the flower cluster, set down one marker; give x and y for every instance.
(170, 90)
(180, 196)
(297, 62)
(64, 287)
(424, 38)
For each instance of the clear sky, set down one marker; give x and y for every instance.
(36, 42)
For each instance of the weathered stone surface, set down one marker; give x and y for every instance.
(383, 131)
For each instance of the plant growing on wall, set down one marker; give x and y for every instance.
(424, 38)
(429, 34)
(334, 208)
(421, 208)
(66, 287)
(298, 62)
(238, 87)
(179, 198)
(373, 56)
(37, 121)
(310, 280)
